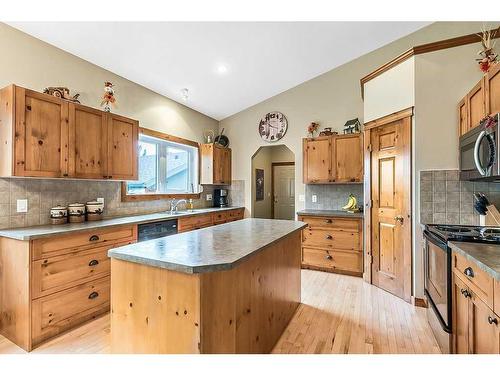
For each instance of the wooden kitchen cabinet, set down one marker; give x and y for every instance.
(492, 85)
(215, 164)
(475, 322)
(45, 136)
(333, 159)
(476, 104)
(463, 123)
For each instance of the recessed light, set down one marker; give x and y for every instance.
(221, 69)
(185, 94)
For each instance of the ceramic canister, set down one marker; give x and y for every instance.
(94, 207)
(58, 212)
(76, 209)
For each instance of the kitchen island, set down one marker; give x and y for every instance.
(231, 288)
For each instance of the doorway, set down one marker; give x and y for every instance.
(388, 221)
(273, 183)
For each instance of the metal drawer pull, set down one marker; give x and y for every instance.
(465, 292)
(329, 237)
(492, 320)
(328, 221)
(93, 295)
(329, 257)
(469, 272)
(94, 238)
(93, 262)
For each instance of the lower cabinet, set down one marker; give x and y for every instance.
(186, 224)
(333, 244)
(476, 327)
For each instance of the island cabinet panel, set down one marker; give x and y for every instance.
(45, 136)
(333, 244)
(241, 310)
(496, 298)
(154, 310)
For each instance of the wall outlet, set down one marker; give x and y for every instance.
(100, 200)
(302, 198)
(22, 205)
(314, 198)
(209, 197)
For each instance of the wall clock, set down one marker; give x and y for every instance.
(273, 126)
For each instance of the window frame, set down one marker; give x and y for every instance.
(152, 197)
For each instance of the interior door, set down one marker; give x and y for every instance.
(391, 197)
(87, 142)
(284, 192)
(123, 136)
(41, 146)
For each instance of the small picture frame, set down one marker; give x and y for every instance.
(259, 184)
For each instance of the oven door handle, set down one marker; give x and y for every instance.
(435, 240)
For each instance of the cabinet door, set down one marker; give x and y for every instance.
(347, 160)
(41, 141)
(221, 165)
(463, 125)
(460, 317)
(484, 335)
(226, 167)
(476, 104)
(317, 160)
(493, 90)
(122, 142)
(87, 142)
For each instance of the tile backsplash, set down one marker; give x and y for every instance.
(444, 199)
(332, 197)
(42, 194)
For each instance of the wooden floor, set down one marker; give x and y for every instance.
(339, 314)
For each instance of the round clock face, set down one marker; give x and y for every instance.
(273, 126)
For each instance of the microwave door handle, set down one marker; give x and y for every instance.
(479, 167)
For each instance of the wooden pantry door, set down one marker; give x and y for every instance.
(391, 206)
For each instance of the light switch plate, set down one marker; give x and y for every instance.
(209, 197)
(22, 205)
(302, 198)
(314, 198)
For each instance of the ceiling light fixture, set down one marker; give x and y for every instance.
(185, 94)
(222, 69)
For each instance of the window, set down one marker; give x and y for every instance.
(168, 167)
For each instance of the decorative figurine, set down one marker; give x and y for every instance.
(63, 93)
(352, 126)
(488, 56)
(327, 131)
(108, 97)
(312, 128)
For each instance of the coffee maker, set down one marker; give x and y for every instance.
(220, 198)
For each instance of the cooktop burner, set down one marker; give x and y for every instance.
(465, 233)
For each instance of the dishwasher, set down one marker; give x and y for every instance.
(149, 231)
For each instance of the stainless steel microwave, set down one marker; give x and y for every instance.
(479, 152)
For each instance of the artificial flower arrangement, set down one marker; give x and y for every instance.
(488, 56)
(108, 97)
(312, 128)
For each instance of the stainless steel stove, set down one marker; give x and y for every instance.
(437, 272)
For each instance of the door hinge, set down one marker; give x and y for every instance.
(369, 147)
(371, 259)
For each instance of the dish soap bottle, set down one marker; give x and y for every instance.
(190, 205)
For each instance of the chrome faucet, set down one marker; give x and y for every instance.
(174, 204)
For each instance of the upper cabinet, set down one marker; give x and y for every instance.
(333, 159)
(482, 100)
(215, 164)
(44, 136)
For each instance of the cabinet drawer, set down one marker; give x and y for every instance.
(53, 274)
(332, 259)
(194, 222)
(475, 278)
(59, 245)
(61, 311)
(234, 215)
(219, 217)
(331, 222)
(333, 239)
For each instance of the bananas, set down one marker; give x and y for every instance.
(352, 204)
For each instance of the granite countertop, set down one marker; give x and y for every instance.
(332, 213)
(486, 256)
(40, 231)
(211, 249)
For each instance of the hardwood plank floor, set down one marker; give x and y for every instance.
(338, 314)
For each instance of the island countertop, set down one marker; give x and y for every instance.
(211, 249)
(40, 231)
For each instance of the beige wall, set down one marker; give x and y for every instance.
(31, 63)
(331, 99)
(263, 159)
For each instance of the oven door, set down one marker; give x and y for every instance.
(479, 154)
(437, 281)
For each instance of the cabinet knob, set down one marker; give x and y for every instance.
(95, 237)
(465, 292)
(469, 272)
(93, 262)
(492, 320)
(328, 221)
(93, 295)
(329, 237)
(329, 257)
